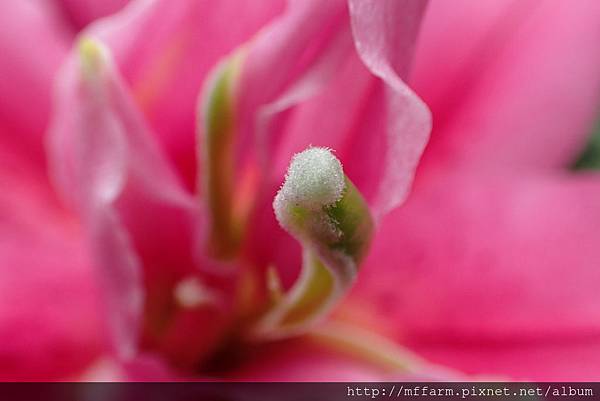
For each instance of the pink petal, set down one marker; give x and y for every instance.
(288, 62)
(384, 34)
(82, 12)
(273, 81)
(291, 60)
(570, 359)
(353, 99)
(486, 260)
(301, 84)
(165, 49)
(44, 334)
(490, 266)
(49, 326)
(511, 84)
(136, 213)
(33, 41)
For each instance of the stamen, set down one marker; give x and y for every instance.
(375, 349)
(216, 137)
(323, 210)
(92, 56)
(190, 293)
(274, 285)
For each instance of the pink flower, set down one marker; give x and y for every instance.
(492, 262)
(170, 132)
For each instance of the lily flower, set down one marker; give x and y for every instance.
(218, 192)
(169, 137)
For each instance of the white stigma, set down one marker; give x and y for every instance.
(314, 179)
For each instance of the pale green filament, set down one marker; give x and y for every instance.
(217, 140)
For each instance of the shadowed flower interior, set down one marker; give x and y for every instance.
(181, 278)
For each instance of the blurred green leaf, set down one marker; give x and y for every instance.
(590, 157)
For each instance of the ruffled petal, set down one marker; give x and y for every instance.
(303, 83)
(384, 34)
(290, 61)
(514, 249)
(391, 119)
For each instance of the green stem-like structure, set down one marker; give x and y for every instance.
(325, 212)
(216, 154)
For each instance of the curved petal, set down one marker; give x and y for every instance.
(392, 119)
(488, 260)
(165, 50)
(142, 223)
(290, 61)
(384, 34)
(512, 85)
(328, 98)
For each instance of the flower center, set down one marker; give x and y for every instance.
(317, 204)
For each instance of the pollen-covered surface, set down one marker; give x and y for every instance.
(314, 179)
